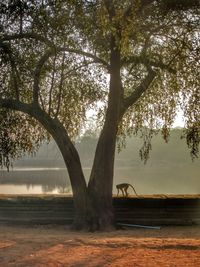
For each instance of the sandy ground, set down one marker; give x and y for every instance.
(52, 246)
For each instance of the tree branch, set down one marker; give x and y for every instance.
(58, 132)
(37, 73)
(142, 5)
(174, 4)
(15, 74)
(86, 54)
(35, 112)
(52, 84)
(179, 5)
(16, 105)
(139, 90)
(60, 86)
(31, 35)
(148, 62)
(52, 52)
(52, 45)
(41, 101)
(110, 8)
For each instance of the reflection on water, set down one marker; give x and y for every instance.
(21, 189)
(32, 189)
(35, 181)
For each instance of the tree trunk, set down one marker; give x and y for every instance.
(101, 180)
(73, 164)
(69, 153)
(93, 204)
(101, 184)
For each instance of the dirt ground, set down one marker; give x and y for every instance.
(52, 246)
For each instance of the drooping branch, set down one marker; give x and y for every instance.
(139, 90)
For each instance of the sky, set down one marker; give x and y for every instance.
(179, 120)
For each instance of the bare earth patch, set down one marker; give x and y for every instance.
(52, 246)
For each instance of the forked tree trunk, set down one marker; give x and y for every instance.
(92, 203)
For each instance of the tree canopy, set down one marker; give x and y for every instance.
(136, 62)
(57, 53)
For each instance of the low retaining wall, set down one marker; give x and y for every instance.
(147, 210)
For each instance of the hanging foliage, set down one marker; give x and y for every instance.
(57, 54)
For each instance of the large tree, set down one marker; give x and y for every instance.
(136, 62)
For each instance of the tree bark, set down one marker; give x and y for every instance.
(101, 179)
(73, 164)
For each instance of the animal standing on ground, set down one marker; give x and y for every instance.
(123, 188)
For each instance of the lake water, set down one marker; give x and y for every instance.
(146, 180)
(25, 189)
(34, 181)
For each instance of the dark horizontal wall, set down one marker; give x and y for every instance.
(150, 210)
(158, 211)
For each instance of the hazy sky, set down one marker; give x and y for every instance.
(179, 120)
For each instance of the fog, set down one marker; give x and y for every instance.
(169, 170)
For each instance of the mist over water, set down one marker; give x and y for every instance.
(169, 170)
(34, 180)
(145, 179)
